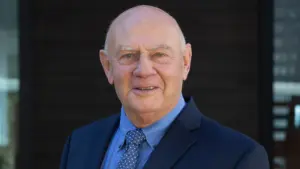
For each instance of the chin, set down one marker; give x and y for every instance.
(146, 104)
(144, 109)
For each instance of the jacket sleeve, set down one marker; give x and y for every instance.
(65, 153)
(256, 158)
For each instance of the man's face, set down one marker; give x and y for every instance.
(148, 66)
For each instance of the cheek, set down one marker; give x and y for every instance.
(122, 77)
(171, 76)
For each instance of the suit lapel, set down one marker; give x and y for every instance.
(99, 144)
(178, 139)
(171, 148)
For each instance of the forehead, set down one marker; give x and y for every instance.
(147, 34)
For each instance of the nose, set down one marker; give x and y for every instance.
(144, 67)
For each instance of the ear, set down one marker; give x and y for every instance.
(106, 64)
(187, 60)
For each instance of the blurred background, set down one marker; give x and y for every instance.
(245, 72)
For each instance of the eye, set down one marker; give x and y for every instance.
(159, 54)
(161, 57)
(128, 56)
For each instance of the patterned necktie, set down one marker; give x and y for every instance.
(134, 139)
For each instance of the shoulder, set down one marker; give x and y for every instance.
(95, 127)
(222, 146)
(224, 139)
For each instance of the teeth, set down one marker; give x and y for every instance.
(147, 88)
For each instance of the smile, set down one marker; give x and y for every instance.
(145, 91)
(146, 88)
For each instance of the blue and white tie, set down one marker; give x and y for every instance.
(134, 139)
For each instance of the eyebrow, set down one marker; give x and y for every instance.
(129, 48)
(162, 46)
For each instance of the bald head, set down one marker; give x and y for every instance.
(145, 48)
(145, 17)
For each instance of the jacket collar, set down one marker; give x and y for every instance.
(177, 140)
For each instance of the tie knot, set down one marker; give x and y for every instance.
(135, 137)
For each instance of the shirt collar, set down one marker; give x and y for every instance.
(154, 132)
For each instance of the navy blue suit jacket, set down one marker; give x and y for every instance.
(193, 141)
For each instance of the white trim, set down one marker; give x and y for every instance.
(286, 88)
(9, 84)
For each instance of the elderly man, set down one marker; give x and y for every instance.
(147, 59)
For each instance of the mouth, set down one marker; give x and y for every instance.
(146, 88)
(143, 91)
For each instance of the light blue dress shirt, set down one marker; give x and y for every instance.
(153, 134)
